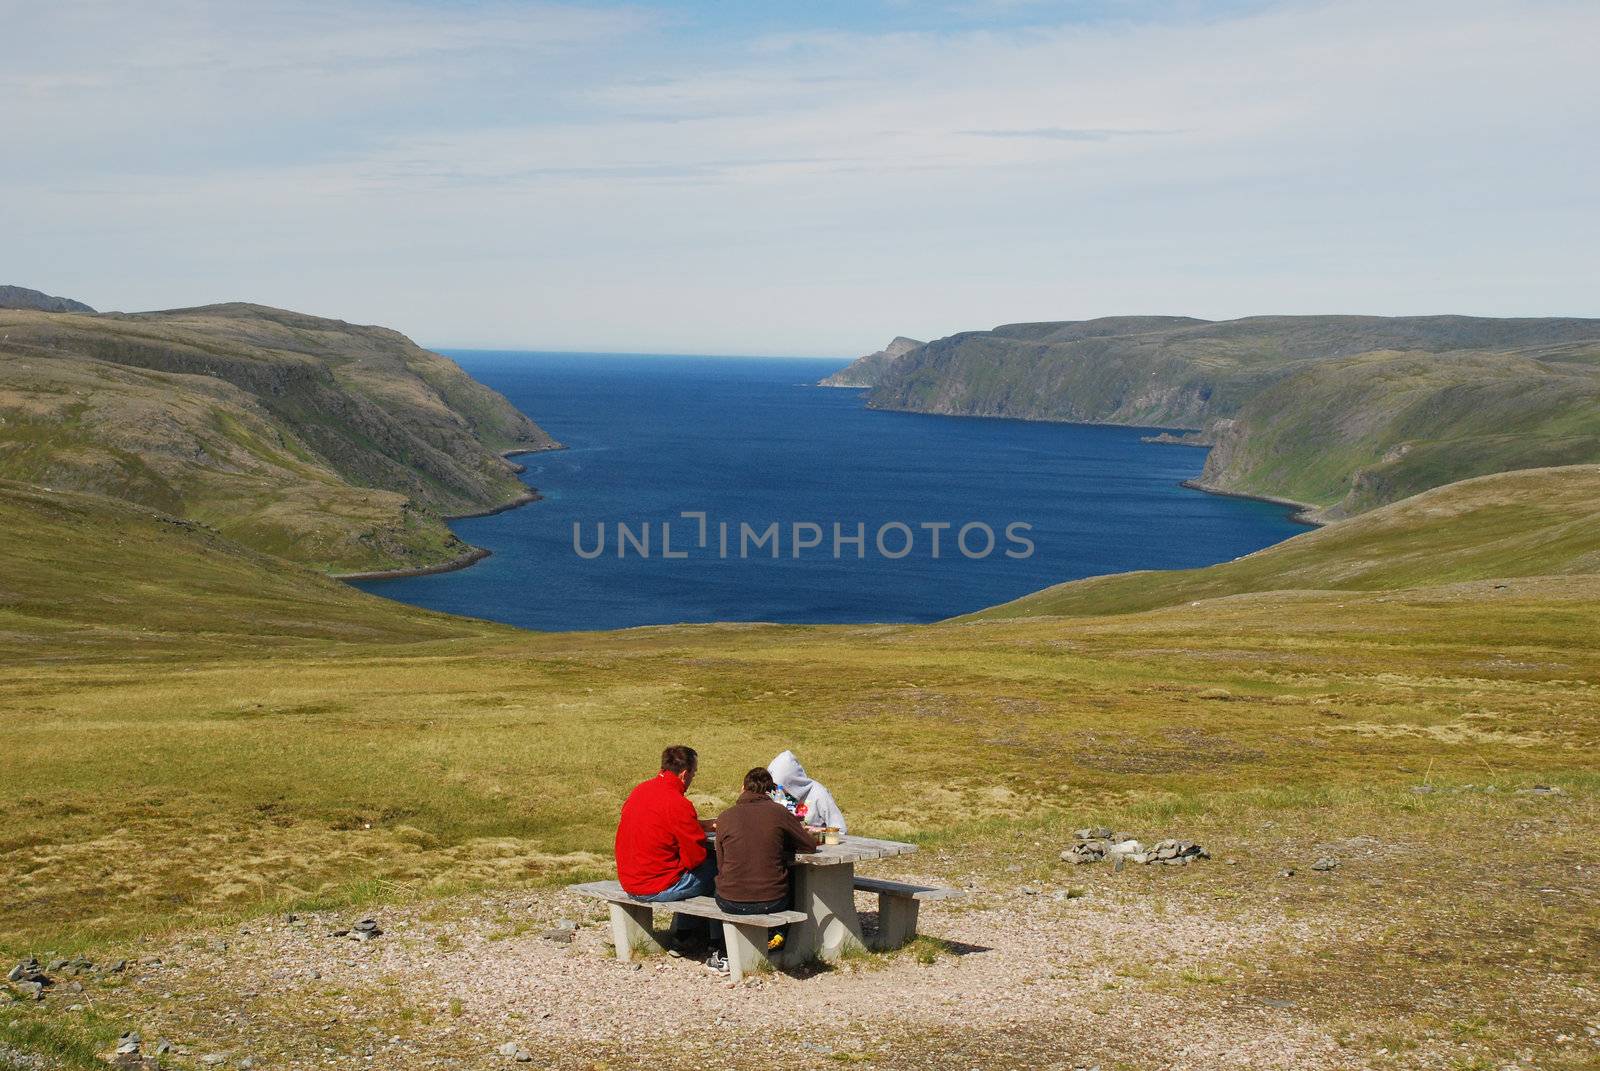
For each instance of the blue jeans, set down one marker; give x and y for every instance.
(701, 881)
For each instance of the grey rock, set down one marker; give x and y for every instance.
(28, 971)
(1286, 873)
(515, 1052)
(128, 1044)
(365, 930)
(1325, 864)
(566, 924)
(163, 1047)
(30, 990)
(213, 1059)
(559, 936)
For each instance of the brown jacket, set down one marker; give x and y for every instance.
(756, 842)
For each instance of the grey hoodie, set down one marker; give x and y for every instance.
(791, 777)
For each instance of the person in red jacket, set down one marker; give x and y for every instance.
(661, 848)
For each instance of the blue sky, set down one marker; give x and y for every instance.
(807, 178)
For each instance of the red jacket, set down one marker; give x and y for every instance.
(659, 836)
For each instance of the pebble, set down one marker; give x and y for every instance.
(515, 1052)
(1325, 864)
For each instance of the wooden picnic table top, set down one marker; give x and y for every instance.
(852, 849)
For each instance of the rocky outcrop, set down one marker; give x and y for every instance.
(20, 297)
(869, 370)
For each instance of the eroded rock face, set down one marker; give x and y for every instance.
(869, 370)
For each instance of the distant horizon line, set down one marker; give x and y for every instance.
(447, 349)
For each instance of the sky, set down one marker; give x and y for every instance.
(800, 177)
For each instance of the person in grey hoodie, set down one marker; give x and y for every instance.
(820, 808)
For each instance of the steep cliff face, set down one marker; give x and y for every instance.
(330, 443)
(869, 370)
(1172, 371)
(1341, 412)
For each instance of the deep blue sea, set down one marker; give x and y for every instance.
(750, 442)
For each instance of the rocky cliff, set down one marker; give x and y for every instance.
(1340, 412)
(868, 371)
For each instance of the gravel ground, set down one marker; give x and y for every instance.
(1020, 978)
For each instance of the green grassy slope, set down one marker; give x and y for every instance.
(88, 578)
(1542, 522)
(1353, 433)
(331, 444)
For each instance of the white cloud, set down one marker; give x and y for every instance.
(571, 177)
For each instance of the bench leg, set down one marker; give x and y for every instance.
(630, 930)
(747, 948)
(897, 920)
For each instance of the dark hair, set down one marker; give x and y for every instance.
(759, 780)
(679, 758)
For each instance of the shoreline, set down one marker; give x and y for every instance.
(1302, 510)
(473, 555)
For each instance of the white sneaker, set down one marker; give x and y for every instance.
(717, 963)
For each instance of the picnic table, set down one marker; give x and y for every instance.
(823, 923)
(824, 890)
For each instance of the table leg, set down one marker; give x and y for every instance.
(827, 894)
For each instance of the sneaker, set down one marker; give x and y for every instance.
(775, 942)
(717, 963)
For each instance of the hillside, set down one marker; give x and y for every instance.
(1348, 434)
(332, 444)
(1340, 412)
(218, 762)
(868, 371)
(1539, 522)
(20, 297)
(89, 577)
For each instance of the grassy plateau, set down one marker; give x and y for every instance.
(197, 736)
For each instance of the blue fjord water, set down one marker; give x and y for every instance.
(749, 441)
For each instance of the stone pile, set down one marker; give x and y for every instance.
(365, 930)
(29, 979)
(1101, 843)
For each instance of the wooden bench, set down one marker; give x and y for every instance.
(746, 935)
(897, 908)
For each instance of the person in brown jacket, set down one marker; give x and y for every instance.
(756, 841)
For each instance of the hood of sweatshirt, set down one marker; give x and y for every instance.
(790, 775)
